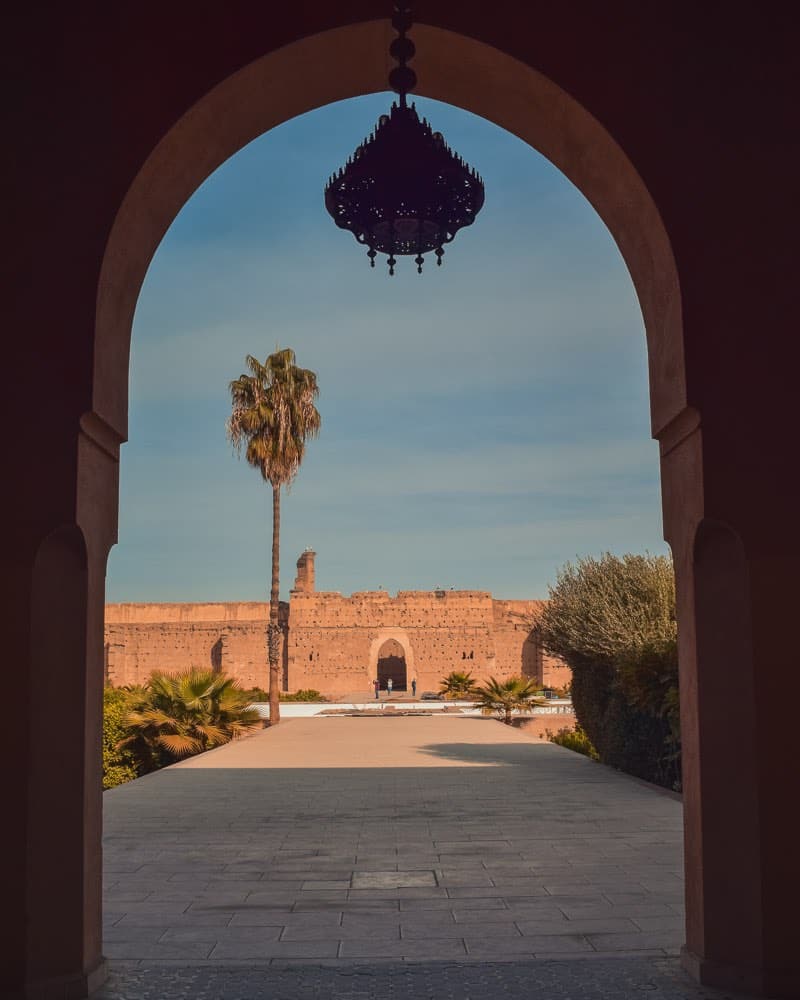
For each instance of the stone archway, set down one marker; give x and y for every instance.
(453, 68)
(617, 118)
(392, 664)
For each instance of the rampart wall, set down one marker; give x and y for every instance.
(229, 637)
(331, 642)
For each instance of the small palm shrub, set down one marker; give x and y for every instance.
(184, 714)
(503, 698)
(459, 686)
(574, 739)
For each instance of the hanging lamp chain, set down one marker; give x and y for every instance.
(402, 79)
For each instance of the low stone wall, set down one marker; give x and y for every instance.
(538, 725)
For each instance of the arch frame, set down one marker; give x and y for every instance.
(384, 656)
(400, 636)
(351, 61)
(709, 129)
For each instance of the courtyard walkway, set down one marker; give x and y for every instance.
(389, 855)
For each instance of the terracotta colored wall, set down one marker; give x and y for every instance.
(140, 638)
(333, 642)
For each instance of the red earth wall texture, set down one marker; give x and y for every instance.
(333, 643)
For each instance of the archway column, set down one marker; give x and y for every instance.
(740, 773)
(53, 590)
(97, 504)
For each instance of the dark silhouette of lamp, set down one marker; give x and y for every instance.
(404, 191)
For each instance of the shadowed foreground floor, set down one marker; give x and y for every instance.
(599, 979)
(406, 857)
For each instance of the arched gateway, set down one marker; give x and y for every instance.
(392, 664)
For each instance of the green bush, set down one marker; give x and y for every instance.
(119, 765)
(612, 620)
(304, 694)
(256, 694)
(574, 739)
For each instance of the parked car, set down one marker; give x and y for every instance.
(431, 696)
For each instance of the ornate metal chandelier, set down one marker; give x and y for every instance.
(404, 191)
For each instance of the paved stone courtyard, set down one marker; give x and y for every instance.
(378, 853)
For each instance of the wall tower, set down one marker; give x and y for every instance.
(304, 581)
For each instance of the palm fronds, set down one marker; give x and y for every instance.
(273, 414)
(458, 684)
(503, 698)
(178, 715)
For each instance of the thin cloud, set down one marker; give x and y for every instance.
(481, 424)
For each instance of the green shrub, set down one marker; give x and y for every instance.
(119, 765)
(304, 694)
(256, 694)
(574, 739)
(612, 620)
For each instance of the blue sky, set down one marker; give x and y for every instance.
(482, 423)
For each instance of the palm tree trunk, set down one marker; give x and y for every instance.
(274, 628)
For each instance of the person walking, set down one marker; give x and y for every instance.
(413, 687)
(389, 686)
(377, 685)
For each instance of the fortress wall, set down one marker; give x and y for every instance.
(230, 638)
(140, 614)
(437, 652)
(513, 617)
(376, 609)
(331, 660)
(555, 672)
(333, 642)
(344, 660)
(517, 651)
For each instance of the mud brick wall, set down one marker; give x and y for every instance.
(332, 642)
(230, 638)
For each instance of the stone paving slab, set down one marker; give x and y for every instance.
(294, 979)
(471, 841)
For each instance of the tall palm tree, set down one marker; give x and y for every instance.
(273, 414)
(178, 715)
(503, 698)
